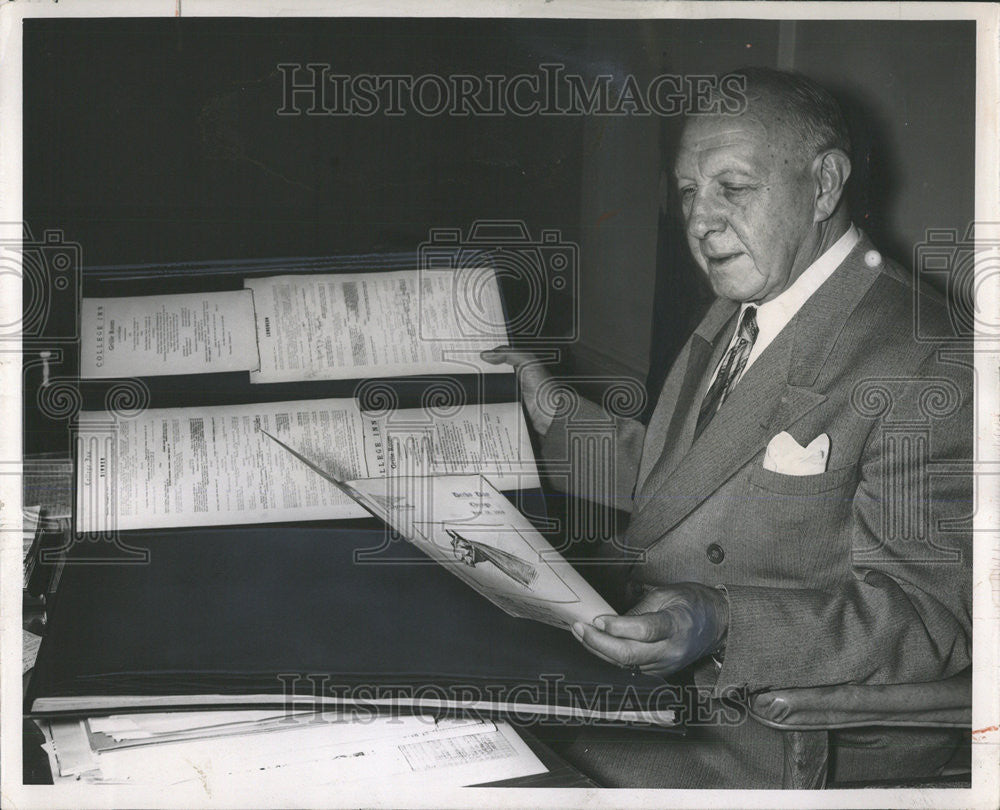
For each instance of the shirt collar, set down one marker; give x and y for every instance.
(773, 315)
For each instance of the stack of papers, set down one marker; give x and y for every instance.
(219, 750)
(48, 480)
(29, 535)
(30, 523)
(29, 650)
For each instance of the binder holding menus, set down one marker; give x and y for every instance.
(257, 582)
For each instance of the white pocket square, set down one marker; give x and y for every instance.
(786, 456)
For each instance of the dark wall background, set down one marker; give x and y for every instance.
(909, 91)
(158, 140)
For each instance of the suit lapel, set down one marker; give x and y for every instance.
(774, 393)
(668, 444)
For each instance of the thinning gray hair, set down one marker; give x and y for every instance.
(813, 115)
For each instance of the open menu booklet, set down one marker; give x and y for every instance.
(467, 525)
(211, 466)
(293, 328)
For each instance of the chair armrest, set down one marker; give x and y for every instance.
(946, 703)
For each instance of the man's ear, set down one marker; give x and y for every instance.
(831, 170)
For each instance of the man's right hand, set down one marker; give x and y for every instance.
(530, 375)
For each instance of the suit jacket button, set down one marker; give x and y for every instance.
(716, 554)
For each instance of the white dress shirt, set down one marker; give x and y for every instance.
(774, 315)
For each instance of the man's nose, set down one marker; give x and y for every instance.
(705, 217)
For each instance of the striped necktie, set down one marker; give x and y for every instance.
(730, 370)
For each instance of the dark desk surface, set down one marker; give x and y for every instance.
(51, 482)
(36, 770)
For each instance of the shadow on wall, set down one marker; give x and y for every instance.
(873, 190)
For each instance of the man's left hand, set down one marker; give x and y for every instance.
(668, 629)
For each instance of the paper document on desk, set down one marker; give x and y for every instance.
(124, 730)
(362, 325)
(148, 336)
(306, 751)
(468, 526)
(210, 466)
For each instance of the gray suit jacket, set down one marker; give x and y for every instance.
(861, 573)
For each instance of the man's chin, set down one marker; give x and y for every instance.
(735, 283)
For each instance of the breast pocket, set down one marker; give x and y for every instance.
(799, 523)
(805, 485)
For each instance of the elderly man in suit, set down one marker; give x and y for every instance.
(768, 537)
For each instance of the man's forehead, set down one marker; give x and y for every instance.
(743, 138)
(709, 129)
(714, 131)
(733, 143)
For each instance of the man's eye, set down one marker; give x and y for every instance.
(734, 191)
(687, 192)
